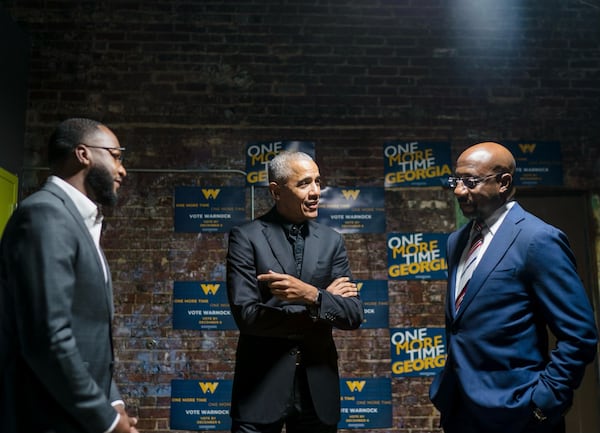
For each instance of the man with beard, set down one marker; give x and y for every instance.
(56, 301)
(289, 285)
(511, 277)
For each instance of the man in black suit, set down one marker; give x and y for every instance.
(289, 284)
(56, 301)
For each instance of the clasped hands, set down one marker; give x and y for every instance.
(289, 288)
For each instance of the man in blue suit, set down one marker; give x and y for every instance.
(500, 375)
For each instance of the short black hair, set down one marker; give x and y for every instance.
(67, 135)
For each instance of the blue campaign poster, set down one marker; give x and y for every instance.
(538, 162)
(259, 153)
(414, 256)
(353, 210)
(201, 305)
(375, 299)
(366, 403)
(200, 404)
(209, 209)
(417, 351)
(416, 163)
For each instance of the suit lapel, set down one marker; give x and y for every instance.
(280, 247)
(503, 239)
(74, 212)
(311, 245)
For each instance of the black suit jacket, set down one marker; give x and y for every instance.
(273, 331)
(56, 309)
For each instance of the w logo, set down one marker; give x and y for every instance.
(208, 387)
(210, 288)
(210, 193)
(527, 147)
(351, 193)
(355, 385)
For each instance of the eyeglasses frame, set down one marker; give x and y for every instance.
(470, 182)
(118, 158)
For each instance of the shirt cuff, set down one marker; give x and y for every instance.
(118, 417)
(114, 424)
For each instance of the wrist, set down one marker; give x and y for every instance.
(317, 298)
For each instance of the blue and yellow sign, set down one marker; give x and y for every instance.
(366, 403)
(414, 256)
(209, 209)
(258, 155)
(417, 351)
(414, 163)
(376, 305)
(200, 404)
(201, 305)
(353, 210)
(538, 163)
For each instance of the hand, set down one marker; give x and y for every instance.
(344, 287)
(126, 423)
(288, 288)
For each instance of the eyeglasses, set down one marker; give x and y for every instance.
(117, 156)
(470, 182)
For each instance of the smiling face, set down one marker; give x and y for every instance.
(480, 161)
(106, 171)
(297, 198)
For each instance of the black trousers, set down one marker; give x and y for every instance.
(299, 418)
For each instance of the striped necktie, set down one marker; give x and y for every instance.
(470, 260)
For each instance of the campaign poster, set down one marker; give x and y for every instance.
(201, 305)
(539, 163)
(209, 209)
(259, 153)
(366, 403)
(417, 256)
(200, 404)
(417, 351)
(416, 163)
(376, 305)
(353, 210)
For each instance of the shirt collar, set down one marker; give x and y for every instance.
(494, 221)
(288, 225)
(88, 210)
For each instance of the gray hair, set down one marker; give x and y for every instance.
(279, 167)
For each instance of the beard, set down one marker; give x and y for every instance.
(100, 182)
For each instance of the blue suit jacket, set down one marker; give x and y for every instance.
(497, 342)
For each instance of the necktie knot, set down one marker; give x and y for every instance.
(295, 230)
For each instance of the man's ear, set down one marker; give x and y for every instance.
(274, 189)
(82, 153)
(506, 181)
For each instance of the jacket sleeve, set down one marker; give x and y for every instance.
(342, 313)
(42, 260)
(564, 304)
(253, 308)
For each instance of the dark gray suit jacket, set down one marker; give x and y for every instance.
(273, 331)
(56, 356)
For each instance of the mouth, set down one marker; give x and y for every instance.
(312, 205)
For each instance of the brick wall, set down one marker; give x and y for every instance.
(186, 84)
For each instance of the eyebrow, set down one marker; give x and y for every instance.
(308, 179)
